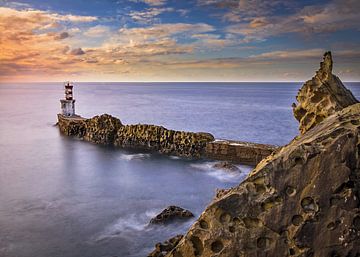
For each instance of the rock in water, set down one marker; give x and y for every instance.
(171, 213)
(303, 200)
(321, 96)
(163, 248)
(227, 166)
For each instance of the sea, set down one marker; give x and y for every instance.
(63, 197)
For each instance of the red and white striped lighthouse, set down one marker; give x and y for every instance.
(68, 104)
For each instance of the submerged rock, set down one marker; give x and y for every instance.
(227, 166)
(171, 213)
(161, 249)
(321, 96)
(303, 200)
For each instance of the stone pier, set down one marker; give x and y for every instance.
(238, 151)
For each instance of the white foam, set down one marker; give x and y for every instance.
(130, 224)
(138, 156)
(220, 174)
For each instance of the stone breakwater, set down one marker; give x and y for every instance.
(302, 200)
(238, 152)
(108, 130)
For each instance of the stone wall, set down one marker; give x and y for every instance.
(238, 152)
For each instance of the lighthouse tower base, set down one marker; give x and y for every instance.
(68, 107)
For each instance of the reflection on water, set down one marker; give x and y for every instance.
(62, 197)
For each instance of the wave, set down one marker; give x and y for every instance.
(137, 156)
(220, 174)
(127, 225)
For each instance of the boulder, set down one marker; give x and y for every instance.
(171, 213)
(302, 200)
(321, 96)
(226, 166)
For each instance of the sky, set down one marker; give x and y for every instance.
(177, 40)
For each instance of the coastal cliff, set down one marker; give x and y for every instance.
(302, 200)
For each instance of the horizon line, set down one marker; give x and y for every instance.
(262, 81)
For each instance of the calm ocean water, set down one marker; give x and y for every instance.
(61, 197)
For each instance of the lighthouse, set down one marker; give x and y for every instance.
(68, 104)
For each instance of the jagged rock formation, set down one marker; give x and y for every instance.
(321, 96)
(108, 130)
(163, 140)
(303, 200)
(161, 249)
(171, 213)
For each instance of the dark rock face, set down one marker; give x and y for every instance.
(161, 249)
(321, 96)
(303, 200)
(171, 213)
(227, 166)
(160, 139)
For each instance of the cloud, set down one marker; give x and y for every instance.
(61, 35)
(77, 51)
(97, 31)
(149, 15)
(164, 31)
(152, 2)
(260, 19)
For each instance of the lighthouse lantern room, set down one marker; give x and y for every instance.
(68, 104)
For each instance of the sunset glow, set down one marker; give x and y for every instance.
(168, 40)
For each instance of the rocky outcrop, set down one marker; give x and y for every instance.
(321, 96)
(170, 214)
(302, 200)
(161, 249)
(75, 126)
(102, 129)
(108, 130)
(99, 129)
(163, 140)
(227, 166)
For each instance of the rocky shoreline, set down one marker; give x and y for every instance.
(302, 200)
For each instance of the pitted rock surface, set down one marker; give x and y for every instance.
(321, 96)
(108, 130)
(161, 249)
(163, 140)
(170, 214)
(302, 200)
